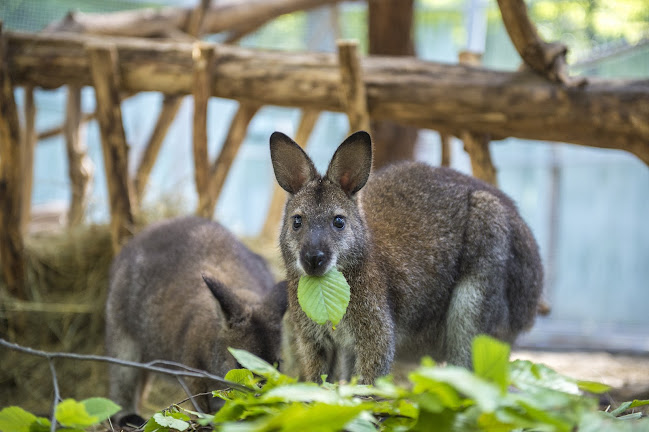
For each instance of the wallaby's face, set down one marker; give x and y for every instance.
(322, 227)
(254, 328)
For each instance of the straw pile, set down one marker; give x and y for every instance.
(67, 276)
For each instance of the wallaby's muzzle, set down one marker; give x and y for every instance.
(315, 262)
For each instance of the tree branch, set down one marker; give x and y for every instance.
(226, 15)
(160, 366)
(547, 59)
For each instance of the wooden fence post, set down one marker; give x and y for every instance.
(223, 162)
(11, 240)
(79, 164)
(105, 76)
(168, 111)
(203, 56)
(352, 86)
(475, 144)
(29, 143)
(445, 141)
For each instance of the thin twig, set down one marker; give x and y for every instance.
(181, 369)
(181, 381)
(57, 395)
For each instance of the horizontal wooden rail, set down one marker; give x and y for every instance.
(447, 98)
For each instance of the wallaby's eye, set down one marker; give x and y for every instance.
(339, 222)
(297, 222)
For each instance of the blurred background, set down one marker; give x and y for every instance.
(588, 208)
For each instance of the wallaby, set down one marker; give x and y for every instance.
(185, 290)
(433, 258)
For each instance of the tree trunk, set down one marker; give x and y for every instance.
(390, 33)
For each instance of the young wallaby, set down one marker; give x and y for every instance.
(185, 290)
(433, 258)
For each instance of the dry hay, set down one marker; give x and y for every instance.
(67, 276)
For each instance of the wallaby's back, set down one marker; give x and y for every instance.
(428, 226)
(160, 307)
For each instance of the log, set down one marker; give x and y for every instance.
(80, 166)
(106, 80)
(29, 144)
(222, 164)
(12, 260)
(203, 60)
(274, 217)
(352, 88)
(224, 15)
(449, 98)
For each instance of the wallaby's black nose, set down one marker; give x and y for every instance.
(314, 261)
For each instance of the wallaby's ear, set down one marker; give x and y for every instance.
(351, 164)
(230, 304)
(293, 168)
(277, 298)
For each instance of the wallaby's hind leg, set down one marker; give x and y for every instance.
(479, 302)
(126, 383)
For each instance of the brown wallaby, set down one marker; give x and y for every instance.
(433, 258)
(185, 290)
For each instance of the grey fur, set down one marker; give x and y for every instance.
(159, 306)
(433, 257)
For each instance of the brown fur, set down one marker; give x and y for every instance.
(432, 257)
(159, 306)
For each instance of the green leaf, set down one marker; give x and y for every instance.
(313, 418)
(528, 376)
(258, 366)
(230, 411)
(16, 419)
(238, 376)
(40, 425)
(485, 394)
(491, 360)
(301, 392)
(364, 422)
(173, 420)
(638, 403)
(431, 394)
(101, 408)
(324, 298)
(619, 410)
(73, 414)
(438, 422)
(243, 377)
(593, 386)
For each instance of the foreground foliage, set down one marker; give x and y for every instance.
(498, 396)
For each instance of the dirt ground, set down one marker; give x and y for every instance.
(626, 374)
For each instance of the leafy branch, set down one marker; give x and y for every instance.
(498, 395)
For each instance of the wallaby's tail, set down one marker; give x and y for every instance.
(525, 279)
